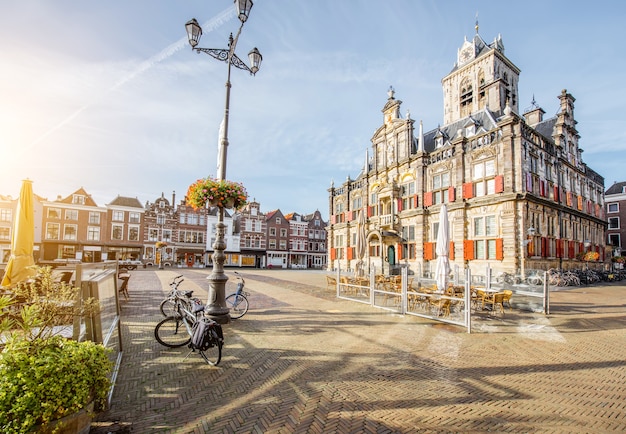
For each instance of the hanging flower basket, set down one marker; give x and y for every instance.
(214, 192)
(591, 256)
(160, 244)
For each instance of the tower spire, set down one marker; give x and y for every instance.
(476, 25)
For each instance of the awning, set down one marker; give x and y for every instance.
(393, 234)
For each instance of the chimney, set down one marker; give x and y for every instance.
(173, 198)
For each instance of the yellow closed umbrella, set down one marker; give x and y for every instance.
(19, 267)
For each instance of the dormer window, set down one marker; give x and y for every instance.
(78, 199)
(438, 142)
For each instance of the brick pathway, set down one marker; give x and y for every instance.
(303, 361)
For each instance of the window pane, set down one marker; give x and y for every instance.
(491, 246)
(480, 249)
(491, 186)
(480, 188)
(445, 179)
(490, 226)
(436, 182)
(490, 168)
(478, 171)
(478, 227)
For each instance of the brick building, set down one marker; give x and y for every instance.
(615, 198)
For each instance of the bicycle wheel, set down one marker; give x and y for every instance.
(213, 355)
(168, 307)
(238, 305)
(172, 332)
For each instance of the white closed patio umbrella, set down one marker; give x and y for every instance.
(361, 243)
(443, 250)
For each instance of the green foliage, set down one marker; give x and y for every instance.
(44, 376)
(47, 379)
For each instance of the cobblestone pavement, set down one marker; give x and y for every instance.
(302, 361)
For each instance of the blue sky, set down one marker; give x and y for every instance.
(110, 97)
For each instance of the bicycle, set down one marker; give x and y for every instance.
(168, 305)
(237, 302)
(183, 329)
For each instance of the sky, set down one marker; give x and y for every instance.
(109, 96)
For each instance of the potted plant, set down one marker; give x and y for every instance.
(215, 192)
(48, 383)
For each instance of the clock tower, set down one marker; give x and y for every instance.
(482, 77)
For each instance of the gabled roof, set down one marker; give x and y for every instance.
(131, 202)
(80, 192)
(617, 188)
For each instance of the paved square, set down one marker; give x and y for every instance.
(303, 361)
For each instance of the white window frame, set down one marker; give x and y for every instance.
(114, 231)
(70, 232)
(49, 227)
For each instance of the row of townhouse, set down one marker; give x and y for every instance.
(165, 233)
(516, 189)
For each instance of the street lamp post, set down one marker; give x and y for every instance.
(216, 306)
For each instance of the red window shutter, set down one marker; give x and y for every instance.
(544, 247)
(559, 248)
(500, 183)
(499, 249)
(428, 198)
(369, 211)
(350, 252)
(557, 198)
(333, 253)
(399, 205)
(572, 254)
(451, 254)
(451, 194)
(415, 201)
(529, 182)
(399, 247)
(468, 250)
(542, 188)
(428, 251)
(468, 190)
(568, 198)
(580, 203)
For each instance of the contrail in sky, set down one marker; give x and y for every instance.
(168, 51)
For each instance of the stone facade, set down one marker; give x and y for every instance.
(518, 193)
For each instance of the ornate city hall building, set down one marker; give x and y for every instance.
(517, 191)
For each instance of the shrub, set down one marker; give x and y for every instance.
(44, 376)
(46, 379)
